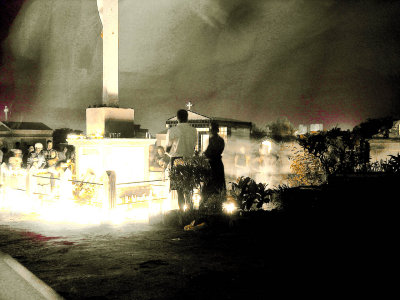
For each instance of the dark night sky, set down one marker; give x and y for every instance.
(332, 62)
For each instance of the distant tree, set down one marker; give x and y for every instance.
(370, 127)
(60, 135)
(338, 151)
(281, 130)
(258, 133)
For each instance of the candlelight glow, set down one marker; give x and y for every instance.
(97, 135)
(75, 136)
(77, 202)
(196, 199)
(229, 207)
(268, 146)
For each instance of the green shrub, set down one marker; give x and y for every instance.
(250, 195)
(338, 151)
(213, 204)
(392, 165)
(306, 169)
(190, 174)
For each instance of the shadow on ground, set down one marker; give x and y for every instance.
(248, 257)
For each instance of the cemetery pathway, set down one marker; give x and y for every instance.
(160, 261)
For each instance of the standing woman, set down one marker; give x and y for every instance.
(213, 152)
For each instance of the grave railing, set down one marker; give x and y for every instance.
(109, 194)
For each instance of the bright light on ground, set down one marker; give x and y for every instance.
(229, 207)
(59, 210)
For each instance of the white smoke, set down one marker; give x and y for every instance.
(276, 161)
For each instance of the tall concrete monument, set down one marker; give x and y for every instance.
(111, 143)
(110, 120)
(108, 11)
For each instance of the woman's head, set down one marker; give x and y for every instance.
(160, 150)
(162, 163)
(17, 152)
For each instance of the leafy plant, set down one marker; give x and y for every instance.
(376, 166)
(190, 173)
(370, 127)
(282, 199)
(258, 133)
(249, 194)
(282, 189)
(60, 135)
(281, 130)
(213, 204)
(338, 151)
(392, 165)
(306, 169)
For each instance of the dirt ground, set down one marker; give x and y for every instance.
(250, 259)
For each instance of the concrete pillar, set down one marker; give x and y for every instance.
(29, 182)
(110, 51)
(110, 190)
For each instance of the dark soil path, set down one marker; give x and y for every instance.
(249, 260)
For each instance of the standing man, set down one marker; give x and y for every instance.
(181, 142)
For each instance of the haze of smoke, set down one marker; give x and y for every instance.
(277, 162)
(313, 61)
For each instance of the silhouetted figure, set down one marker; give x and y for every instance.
(6, 154)
(259, 166)
(62, 154)
(71, 159)
(181, 141)
(242, 163)
(15, 160)
(26, 155)
(216, 146)
(1, 152)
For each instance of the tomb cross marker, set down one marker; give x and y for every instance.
(189, 105)
(6, 112)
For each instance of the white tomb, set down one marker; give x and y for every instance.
(128, 157)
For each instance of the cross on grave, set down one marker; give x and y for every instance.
(6, 112)
(189, 105)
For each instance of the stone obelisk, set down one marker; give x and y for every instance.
(108, 10)
(109, 120)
